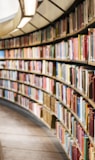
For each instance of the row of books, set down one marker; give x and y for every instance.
(67, 142)
(78, 76)
(29, 39)
(31, 92)
(35, 37)
(47, 117)
(64, 93)
(23, 101)
(61, 27)
(84, 112)
(49, 102)
(73, 49)
(32, 38)
(34, 66)
(49, 68)
(48, 34)
(49, 85)
(43, 82)
(25, 40)
(11, 96)
(31, 79)
(8, 94)
(61, 132)
(79, 17)
(47, 51)
(87, 150)
(12, 42)
(12, 75)
(79, 48)
(30, 52)
(72, 100)
(13, 85)
(30, 105)
(36, 108)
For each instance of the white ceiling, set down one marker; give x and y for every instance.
(45, 13)
(8, 9)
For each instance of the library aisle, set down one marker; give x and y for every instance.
(24, 137)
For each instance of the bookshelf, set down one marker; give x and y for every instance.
(51, 73)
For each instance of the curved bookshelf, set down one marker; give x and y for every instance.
(61, 58)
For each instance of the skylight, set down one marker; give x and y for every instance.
(8, 9)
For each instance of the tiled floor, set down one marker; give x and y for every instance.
(25, 138)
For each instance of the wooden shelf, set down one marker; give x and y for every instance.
(55, 36)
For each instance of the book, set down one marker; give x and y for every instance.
(86, 148)
(2, 54)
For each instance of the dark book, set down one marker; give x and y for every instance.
(93, 88)
(86, 147)
(91, 122)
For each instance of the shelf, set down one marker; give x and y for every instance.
(64, 41)
(77, 118)
(68, 108)
(64, 149)
(91, 63)
(57, 79)
(41, 119)
(75, 141)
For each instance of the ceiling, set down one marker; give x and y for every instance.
(47, 11)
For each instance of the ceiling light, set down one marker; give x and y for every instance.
(23, 22)
(15, 30)
(30, 7)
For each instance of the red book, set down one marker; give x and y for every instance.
(75, 153)
(94, 42)
(85, 47)
(93, 88)
(75, 103)
(44, 82)
(75, 47)
(68, 96)
(91, 122)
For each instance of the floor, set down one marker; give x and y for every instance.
(27, 138)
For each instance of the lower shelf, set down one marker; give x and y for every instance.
(43, 114)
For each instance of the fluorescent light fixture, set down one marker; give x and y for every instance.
(30, 7)
(23, 22)
(15, 30)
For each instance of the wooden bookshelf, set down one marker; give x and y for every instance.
(57, 64)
